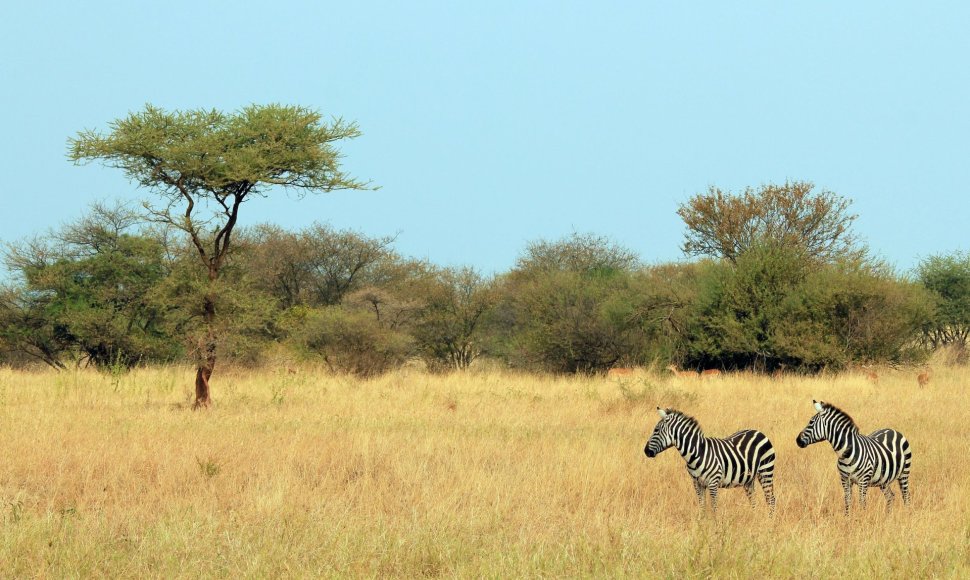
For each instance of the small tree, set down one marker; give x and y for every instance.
(791, 216)
(86, 290)
(27, 329)
(449, 323)
(341, 261)
(570, 323)
(568, 306)
(205, 164)
(735, 323)
(948, 280)
(775, 309)
(350, 339)
(580, 253)
(317, 266)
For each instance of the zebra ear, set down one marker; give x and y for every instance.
(661, 412)
(818, 406)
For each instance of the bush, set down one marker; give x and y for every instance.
(874, 316)
(447, 326)
(352, 341)
(776, 309)
(947, 278)
(568, 306)
(86, 292)
(569, 322)
(735, 321)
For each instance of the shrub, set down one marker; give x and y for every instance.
(569, 322)
(947, 278)
(352, 340)
(774, 308)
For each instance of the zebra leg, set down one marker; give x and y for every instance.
(766, 478)
(890, 496)
(749, 491)
(863, 492)
(700, 491)
(847, 492)
(904, 486)
(712, 488)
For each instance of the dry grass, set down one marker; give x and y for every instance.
(466, 475)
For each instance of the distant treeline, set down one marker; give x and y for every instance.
(778, 282)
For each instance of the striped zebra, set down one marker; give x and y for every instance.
(715, 463)
(874, 460)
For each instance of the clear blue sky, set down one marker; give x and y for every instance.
(490, 124)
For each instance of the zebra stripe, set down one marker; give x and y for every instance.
(875, 460)
(715, 463)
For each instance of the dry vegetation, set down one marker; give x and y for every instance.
(487, 474)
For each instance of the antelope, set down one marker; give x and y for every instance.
(710, 373)
(872, 376)
(679, 373)
(780, 371)
(619, 373)
(924, 378)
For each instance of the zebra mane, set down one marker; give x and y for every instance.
(841, 413)
(690, 420)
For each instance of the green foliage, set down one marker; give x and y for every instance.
(352, 340)
(740, 306)
(569, 322)
(448, 326)
(112, 292)
(248, 318)
(947, 278)
(203, 160)
(209, 152)
(582, 253)
(776, 308)
(664, 296)
(875, 316)
(28, 332)
(568, 306)
(88, 291)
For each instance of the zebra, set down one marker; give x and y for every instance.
(876, 460)
(715, 463)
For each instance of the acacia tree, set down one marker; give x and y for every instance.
(791, 216)
(204, 164)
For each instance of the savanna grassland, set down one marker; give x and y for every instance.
(477, 474)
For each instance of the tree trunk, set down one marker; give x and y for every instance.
(204, 371)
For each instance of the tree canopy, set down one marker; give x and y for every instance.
(947, 277)
(224, 159)
(793, 215)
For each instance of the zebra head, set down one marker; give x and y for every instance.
(817, 428)
(663, 433)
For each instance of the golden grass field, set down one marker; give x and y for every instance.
(479, 474)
